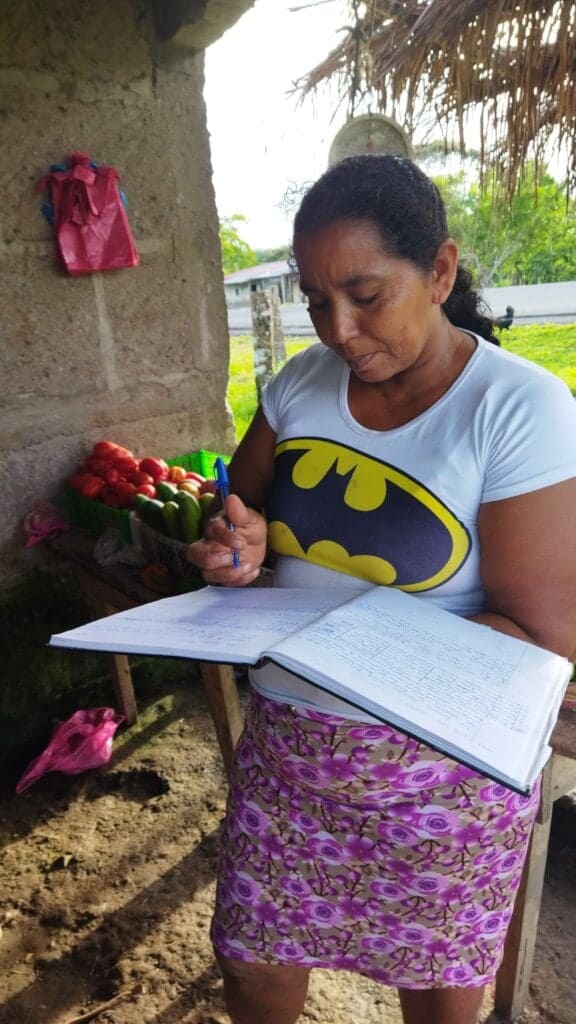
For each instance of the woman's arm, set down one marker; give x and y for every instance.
(252, 465)
(528, 566)
(250, 473)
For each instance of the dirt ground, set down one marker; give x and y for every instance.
(107, 881)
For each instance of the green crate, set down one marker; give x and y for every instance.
(95, 517)
(199, 462)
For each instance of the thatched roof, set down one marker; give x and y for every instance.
(424, 61)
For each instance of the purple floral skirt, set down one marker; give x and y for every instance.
(348, 845)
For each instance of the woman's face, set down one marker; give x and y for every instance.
(379, 313)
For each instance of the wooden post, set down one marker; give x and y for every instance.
(119, 664)
(221, 693)
(278, 342)
(123, 688)
(513, 978)
(260, 306)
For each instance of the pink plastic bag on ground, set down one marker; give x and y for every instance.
(82, 742)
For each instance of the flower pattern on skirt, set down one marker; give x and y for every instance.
(354, 846)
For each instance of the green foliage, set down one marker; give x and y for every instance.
(270, 255)
(549, 345)
(236, 253)
(532, 240)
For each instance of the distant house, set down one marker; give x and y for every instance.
(237, 286)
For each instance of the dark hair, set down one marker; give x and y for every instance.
(407, 208)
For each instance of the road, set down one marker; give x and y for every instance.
(533, 303)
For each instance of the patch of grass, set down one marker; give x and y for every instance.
(552, 346)
(241, 388)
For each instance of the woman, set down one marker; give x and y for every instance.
(404, 450)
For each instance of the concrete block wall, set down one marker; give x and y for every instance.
(137, 355)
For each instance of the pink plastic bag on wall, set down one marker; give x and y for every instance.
(91, 226)
(82, 742)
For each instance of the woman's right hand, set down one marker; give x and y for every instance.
(214, 554)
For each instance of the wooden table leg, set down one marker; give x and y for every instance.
(219, 684)
(121, 674)
(513, 978)
(123, 688)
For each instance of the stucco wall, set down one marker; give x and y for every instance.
(138, 355)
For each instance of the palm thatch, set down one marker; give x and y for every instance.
(433, 62)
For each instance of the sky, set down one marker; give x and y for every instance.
(261, 139)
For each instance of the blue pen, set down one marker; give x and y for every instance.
(224, 490)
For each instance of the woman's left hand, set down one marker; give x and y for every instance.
(214, 554)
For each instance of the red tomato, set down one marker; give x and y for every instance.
(127, 464)
(113, 477)
(138, 478)
(156, 468)
(148, 489)
(104, 449)
(111, 496)
(120, 495)
(128, 492)
(97, 466)
(195, 476)
(76, 480)
(208, 487)
(91, 486)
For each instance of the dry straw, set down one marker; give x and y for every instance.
(433, 60)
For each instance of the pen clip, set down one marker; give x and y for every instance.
(222, 479)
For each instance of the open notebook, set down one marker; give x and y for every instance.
(486, 699)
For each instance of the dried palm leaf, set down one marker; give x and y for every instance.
(434, 63)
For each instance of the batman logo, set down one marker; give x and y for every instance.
(339, 508)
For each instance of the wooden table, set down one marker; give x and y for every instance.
(115, 588)
(558, 778)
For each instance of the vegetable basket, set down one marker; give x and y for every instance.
(94, 517)
(162, 550)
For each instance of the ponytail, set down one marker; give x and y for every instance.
(466, 308)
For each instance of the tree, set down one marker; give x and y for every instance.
(502, 72)
(282, 252)
(529, 240)
(236, 253)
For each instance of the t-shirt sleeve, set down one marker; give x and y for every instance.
(533, 440)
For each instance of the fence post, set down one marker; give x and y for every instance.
(278, 343)
(260, 307)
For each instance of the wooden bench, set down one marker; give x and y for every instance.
(115, 588)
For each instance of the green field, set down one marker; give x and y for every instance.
(552, 346)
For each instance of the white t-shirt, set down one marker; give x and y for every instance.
(351, 506)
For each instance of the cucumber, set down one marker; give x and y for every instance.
(150, 510)
(205, 501)
(171, 516)
(165, 491)
(190, 513)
